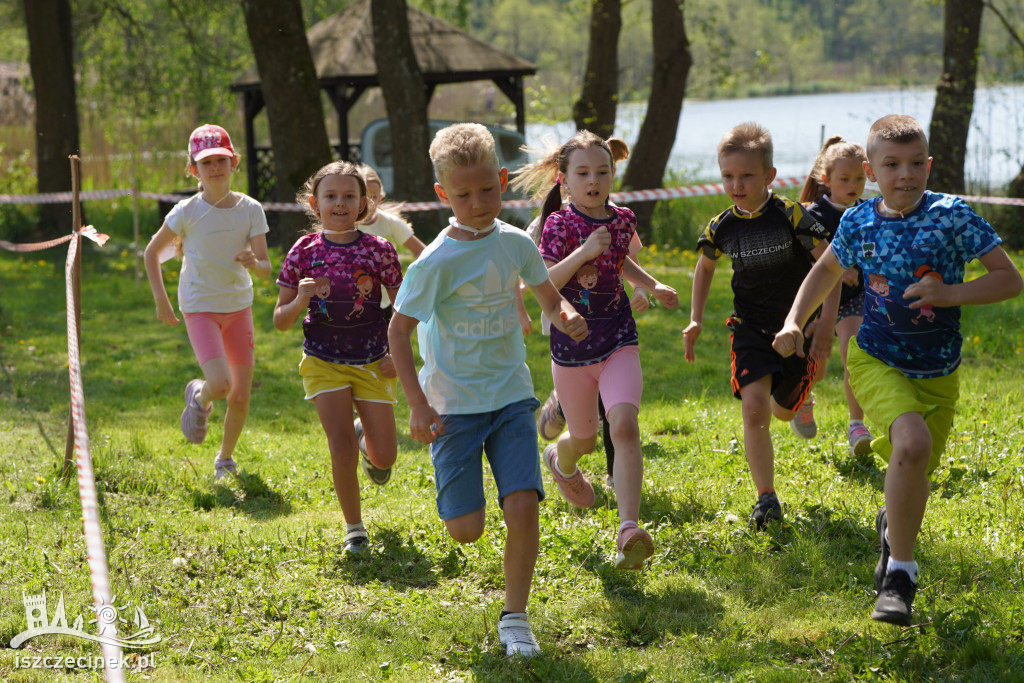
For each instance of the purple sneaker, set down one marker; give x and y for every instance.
(195, 418)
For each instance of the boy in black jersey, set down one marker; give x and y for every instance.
(772, 243)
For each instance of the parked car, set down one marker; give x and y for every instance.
(375, 151)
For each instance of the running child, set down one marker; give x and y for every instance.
(835, 184)
(772, 243)
(913, 245)
(334, 276)
(220, 235)
(474, 392)
(383, 219)
(586, 246)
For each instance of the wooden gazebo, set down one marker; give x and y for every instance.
(342, 49)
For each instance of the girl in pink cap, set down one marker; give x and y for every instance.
(220, 235)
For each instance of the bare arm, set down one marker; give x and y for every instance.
(292, 303)
(638, 277)
(559, 311)
(256, 258)
(425, 424)
(414, 245)
(563, 271)
(824, 277)
(1001, 282)
(702, 276)
(161, 240)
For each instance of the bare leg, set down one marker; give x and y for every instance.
(906, 483)
(379, 432)
(757, 440)
(237, 408)
(847, 328)
(334, 409)
(521, 519)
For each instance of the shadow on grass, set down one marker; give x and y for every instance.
(252, 497)
(392, 560)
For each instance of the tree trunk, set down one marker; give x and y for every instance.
(672, 61)
(595, 110)
(53, 75)
(291, 91)
(401, 83)
(954, 95)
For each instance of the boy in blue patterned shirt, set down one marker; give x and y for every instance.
(912, 246)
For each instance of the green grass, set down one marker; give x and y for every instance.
(244, 579)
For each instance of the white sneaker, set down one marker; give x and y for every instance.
(515, 634)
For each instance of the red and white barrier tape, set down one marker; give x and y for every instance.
(96, 556)
(655, 194)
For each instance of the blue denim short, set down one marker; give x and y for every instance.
(507, 436)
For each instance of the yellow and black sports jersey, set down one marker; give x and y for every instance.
(770, 252)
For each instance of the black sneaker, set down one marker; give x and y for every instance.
(767, 509)
(895, 599)
(880, 526)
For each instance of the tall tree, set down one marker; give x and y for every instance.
(954, 95)
(291, 91)
(48, 24)
(401, 82)
(595, 109)
(672, 62)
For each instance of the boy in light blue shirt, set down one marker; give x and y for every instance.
(474, 394)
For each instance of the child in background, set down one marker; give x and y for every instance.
(220, 235)
(914, 245)
(383, 219)
(586, 246)
(334, 275)
(835, 184)
(772, 243)
(474, 392)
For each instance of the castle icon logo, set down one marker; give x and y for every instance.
(39, 622)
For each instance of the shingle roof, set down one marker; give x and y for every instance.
(342, 49)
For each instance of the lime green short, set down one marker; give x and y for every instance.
(365, 381)
(885, 393)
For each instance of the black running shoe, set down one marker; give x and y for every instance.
(767, 509)
(880, 526)
(895, 599)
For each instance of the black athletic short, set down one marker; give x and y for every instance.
(753, 358)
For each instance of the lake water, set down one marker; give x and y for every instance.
(800, 123)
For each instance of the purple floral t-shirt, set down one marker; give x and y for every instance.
(596, 289)
(345, 323)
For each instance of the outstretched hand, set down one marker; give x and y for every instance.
(690, 335)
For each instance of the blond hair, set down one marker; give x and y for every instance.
(310, 187)
(538, 177)
(834, 149)
(898, 128)
(460, 145)
(748, 137)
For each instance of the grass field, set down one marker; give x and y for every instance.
(244, 579)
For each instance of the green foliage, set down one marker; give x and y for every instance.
(18, 178)
(244, 578)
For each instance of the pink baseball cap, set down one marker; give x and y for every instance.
(209, 139)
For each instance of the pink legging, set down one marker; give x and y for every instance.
(618, 378)
(215, 335)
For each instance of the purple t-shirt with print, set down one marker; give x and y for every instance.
(596, 289)
(345, 323)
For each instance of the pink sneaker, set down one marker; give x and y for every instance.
(635, 546)
(195, 418)
(575, 489)
(550, 421)
(860, 440)
(803, 424)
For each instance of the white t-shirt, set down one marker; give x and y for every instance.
(388, 226)
(463, 294)
(211, 280)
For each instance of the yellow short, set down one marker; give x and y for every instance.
(366, 381)
(885, 393)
